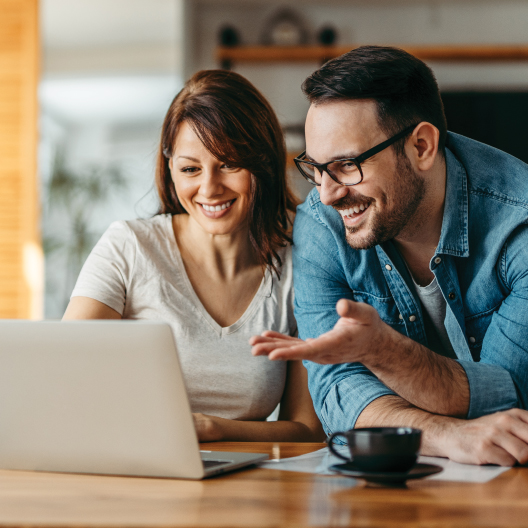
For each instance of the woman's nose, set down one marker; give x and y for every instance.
(211, 183)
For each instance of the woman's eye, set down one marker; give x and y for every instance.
(189, 170)
(225, 166)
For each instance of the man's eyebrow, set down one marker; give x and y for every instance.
(189, 158)
(348, 155)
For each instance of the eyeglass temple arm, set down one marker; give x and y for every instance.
(385, 144)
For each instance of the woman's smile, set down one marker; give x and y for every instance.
(216, 210)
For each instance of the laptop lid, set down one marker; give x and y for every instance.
(95, 397)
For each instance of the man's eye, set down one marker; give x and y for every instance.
(347, 166)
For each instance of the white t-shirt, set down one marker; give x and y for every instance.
(136, 269)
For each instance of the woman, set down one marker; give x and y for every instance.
(215, 263)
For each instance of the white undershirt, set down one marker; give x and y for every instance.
(434, 305)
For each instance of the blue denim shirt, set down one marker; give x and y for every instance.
(481, 265)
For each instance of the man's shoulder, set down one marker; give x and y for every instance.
(490, 172)
(319, 238)
(313, 213)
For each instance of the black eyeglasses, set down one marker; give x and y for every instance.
(345, 171)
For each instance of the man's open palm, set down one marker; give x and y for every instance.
(358, 329)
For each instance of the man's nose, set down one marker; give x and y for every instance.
(330, 191)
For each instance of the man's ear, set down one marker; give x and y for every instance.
(423, 146)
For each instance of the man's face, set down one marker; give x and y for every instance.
(385, 203)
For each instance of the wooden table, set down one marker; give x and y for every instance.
(258, 497)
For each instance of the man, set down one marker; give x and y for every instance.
(411, 265)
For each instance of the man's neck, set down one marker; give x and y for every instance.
(417, 243)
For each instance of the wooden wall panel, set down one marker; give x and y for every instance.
(21, 270)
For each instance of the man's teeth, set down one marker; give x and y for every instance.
(213, 208)
(356, 209)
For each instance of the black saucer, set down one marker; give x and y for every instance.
(391, 477)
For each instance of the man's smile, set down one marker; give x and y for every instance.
(352, 215)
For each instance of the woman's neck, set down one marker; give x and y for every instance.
(221, 256)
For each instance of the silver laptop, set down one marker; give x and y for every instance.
(99, 397)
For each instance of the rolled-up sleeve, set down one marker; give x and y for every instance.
(353, 388)
(491, 389)
(499, 381)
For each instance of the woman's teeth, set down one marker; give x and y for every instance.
(213, 208)
(356, 209)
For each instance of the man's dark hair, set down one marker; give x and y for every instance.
(404, 88)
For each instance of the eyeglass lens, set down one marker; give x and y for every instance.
(346, 172)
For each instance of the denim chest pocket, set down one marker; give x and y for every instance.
(385, 306)
(476, 327)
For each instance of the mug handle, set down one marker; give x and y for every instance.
(330, 443)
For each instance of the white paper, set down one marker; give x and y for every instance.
(456, 472)
(318, 463)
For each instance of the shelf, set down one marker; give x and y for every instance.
(444, 53)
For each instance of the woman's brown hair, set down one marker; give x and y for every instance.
(238, 127)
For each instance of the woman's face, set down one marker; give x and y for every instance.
(215, 195)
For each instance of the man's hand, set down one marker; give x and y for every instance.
(426, 380)
(500, 438)
(358, 331)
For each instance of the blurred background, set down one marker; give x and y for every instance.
(108, 69)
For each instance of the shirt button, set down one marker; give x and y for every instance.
(388, 267)
(437, 260)
(412, 318)
(400, 316)
(472, 339)
(452, 296)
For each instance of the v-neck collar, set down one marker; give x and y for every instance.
(265, 289)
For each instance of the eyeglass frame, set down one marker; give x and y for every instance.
(357, 161)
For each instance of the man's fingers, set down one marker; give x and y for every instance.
(520, 414)
(269, 336)
(282, 350)
(516, 448)
(255, 340)
(264, 348)
(301, 351)
(318, 350)
(500, 456)
(513, 435)
(278, 335)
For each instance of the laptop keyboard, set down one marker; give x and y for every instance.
(214, 463)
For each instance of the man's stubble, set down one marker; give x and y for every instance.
(406, 195)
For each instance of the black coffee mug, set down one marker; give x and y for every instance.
(382, 449)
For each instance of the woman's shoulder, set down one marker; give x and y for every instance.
(145, 226)
(141, 230)
(150, 234)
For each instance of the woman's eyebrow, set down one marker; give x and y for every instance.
(189, 158)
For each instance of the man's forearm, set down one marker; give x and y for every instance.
(427, 380)
(393, 411)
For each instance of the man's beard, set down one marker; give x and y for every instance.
(407, 193)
